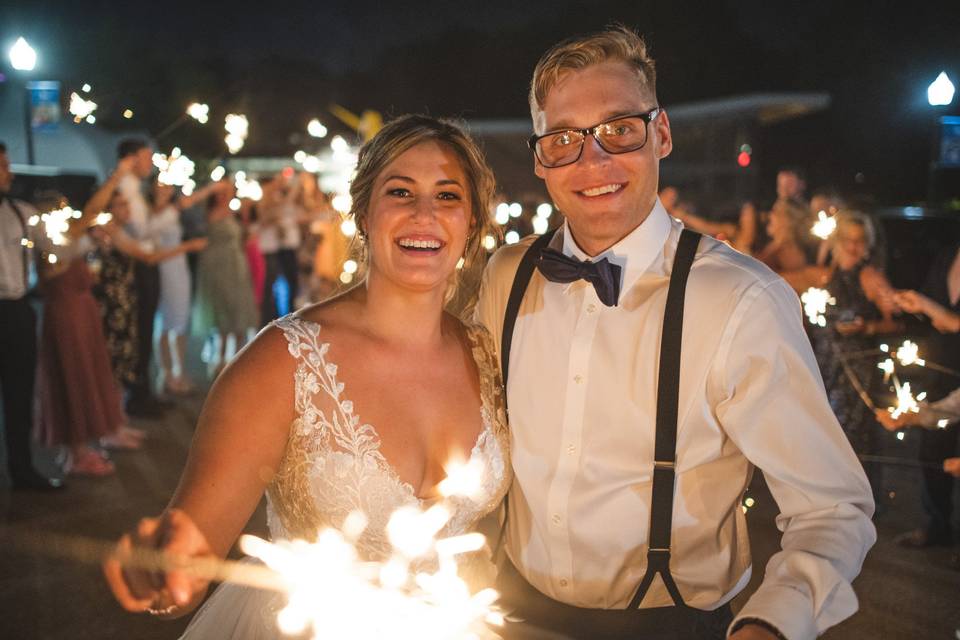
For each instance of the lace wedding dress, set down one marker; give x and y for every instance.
(333, 466)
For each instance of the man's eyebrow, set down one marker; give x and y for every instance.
(565, 124)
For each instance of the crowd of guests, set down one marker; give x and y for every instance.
(868, 311)
(120, 297)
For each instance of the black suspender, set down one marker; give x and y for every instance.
(25, 248)
(668, 394)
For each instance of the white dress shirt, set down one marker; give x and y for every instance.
(941, 413)
(130, 187)
(582, 398)
(12, 278)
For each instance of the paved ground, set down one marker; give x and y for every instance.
(903, 594)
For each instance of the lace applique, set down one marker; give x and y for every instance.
(333, 464)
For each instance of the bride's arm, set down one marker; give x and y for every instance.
(238, 446)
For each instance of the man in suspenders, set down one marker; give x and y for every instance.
(648, 370)
(18, 334)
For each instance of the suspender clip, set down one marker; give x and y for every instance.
(658, 464)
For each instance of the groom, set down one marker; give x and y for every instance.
(632, 453)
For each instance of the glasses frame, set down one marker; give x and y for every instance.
(647, 117)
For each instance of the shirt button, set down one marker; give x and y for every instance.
(591, 308)
(563, 582)
(578, 378)
(556, 518)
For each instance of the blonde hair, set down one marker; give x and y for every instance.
(616, 43)
(401, 135)
(852, 216)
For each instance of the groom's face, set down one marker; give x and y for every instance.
(603, 196)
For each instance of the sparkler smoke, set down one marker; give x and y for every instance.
(815, 303)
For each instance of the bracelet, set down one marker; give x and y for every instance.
(760, 623)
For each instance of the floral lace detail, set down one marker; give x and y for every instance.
(333, 464)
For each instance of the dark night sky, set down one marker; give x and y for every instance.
(282, 63)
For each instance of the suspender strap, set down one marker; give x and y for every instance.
(665, 444)
(25, 252)
(528, 263)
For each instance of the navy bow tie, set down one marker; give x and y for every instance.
(603, 274)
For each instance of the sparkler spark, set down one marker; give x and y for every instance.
(887, 367)
(175, 169)
(824, 226)
(80, 108)
(237, 127)
(199, 112)
(246, 188)
(906, 403)
(908, 354)
(815, 303)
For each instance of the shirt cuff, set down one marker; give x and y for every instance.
(785, 608)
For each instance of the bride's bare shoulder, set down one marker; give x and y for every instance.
(335, 315)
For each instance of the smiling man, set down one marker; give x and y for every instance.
(632, 447)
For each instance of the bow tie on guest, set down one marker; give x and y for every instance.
(603, 274)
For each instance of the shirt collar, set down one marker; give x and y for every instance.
(634, 253)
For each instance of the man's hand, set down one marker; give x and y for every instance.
(890, 423)
(752, 632)
(952, 466)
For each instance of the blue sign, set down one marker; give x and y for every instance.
(44, 104)
(950, 141)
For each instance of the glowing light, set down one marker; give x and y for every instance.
(942, 424)
(311, 164)
(91, 119)
(540, 225)
(199, 112)
(217, 174)
(515, 209)
(824, 226)
(33, 220)
(316, 129)
(300, 156)
(815, 303)
(103, 218)
(339, 145)
(749, 502)
(512, 237)
(86, 88)
(900, 435)
(342, 202)
(26, 242)
(885, 348)
(544, 210)
(908, 354)
(235, 204)
(348, 228)
(127, 113)
(462, 479)
(176, 169)
(81, 108)
(502, 215)
(887, 367)
(906, 403)
(246, 188)
(743, 159)
(350, 266)
(56, 224)
(52, 258)
(22, 56)
(346, 278)
(940, 91)
(489, 243)
(460, 263)
(237, 127)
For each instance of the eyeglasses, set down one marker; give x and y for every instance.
(622, 134)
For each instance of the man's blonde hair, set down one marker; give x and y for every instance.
(616, 43)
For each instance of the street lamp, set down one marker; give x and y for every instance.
(23, 57)
(940, 91)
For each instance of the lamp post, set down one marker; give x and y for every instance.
(23, 58)
(939, 96)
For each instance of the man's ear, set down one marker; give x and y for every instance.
(537, 167)
(663, 137)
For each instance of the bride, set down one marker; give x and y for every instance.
(352, 404)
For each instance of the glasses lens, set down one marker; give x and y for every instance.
(559, 148)
(623, 135)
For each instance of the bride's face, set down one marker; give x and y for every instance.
(419, 218)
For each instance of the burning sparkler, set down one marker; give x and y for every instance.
(905, 400)
(237, 126)
(175, 169)
(815, 303)
(824, 226)
(81, 109)
(199, 112)
(908, 354)
(247, 189)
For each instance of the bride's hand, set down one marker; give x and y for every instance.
(165, 593)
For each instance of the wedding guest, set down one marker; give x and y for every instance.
(141, 400)
(18, 332)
